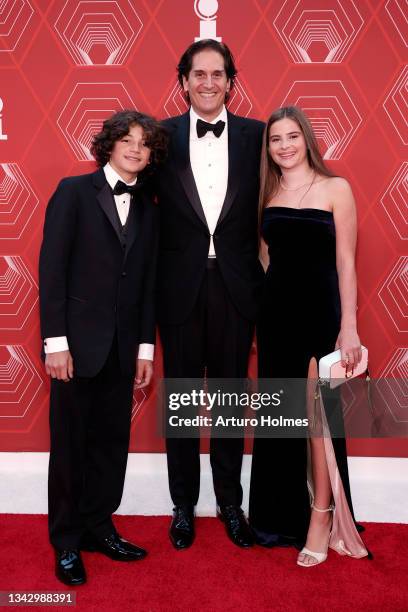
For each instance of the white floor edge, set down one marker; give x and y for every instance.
(379, 486)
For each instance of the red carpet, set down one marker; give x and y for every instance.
(210, 578)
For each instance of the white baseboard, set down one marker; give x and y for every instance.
(379, 486)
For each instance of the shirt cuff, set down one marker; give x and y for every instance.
(146, 351)
(55, 345)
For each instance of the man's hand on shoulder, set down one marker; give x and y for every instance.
(144, 373)
(60, 365)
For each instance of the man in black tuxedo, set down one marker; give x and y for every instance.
(97, 283)
(208, 269)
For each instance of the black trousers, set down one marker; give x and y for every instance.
(216, 340)
(90, 427)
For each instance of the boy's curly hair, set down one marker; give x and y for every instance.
(118, 125)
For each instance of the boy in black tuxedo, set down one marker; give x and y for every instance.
(97, 280)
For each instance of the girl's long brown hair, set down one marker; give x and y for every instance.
(270, 172)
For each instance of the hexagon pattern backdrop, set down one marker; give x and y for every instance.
(65, 65)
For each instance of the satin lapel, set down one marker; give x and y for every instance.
(236, 156)
(182, 147)
(136, 212)
(105, 199)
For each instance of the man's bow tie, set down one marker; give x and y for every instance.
(203, 127)
(121, 188)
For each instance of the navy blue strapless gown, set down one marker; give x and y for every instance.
(299, 319)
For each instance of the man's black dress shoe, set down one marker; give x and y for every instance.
(238, 530)
(69, 567)
(114, 547)
(182, 527)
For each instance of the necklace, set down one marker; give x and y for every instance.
(296, 188)
(307, 190)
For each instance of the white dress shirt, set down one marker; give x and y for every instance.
(209, 163)
(60, 343)
(122, 201)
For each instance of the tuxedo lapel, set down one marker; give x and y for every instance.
(135, 220)
(182, 145)
(236, 156)
(105, 199)
(107, 203)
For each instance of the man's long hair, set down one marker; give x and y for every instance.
(186, 60)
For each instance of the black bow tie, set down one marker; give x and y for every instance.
(121, 188)
(203, 127)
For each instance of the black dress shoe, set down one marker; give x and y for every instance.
(182, 527)
(114, 547)
(69, 567)
(238, 530)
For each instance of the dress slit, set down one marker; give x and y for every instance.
(344, 538)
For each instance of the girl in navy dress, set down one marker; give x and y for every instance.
(300, 492)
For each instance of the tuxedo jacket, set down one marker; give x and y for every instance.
(91, 286)
(184, 234)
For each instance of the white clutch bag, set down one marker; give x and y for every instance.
(332, 373)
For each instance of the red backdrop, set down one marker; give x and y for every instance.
(66, 65)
